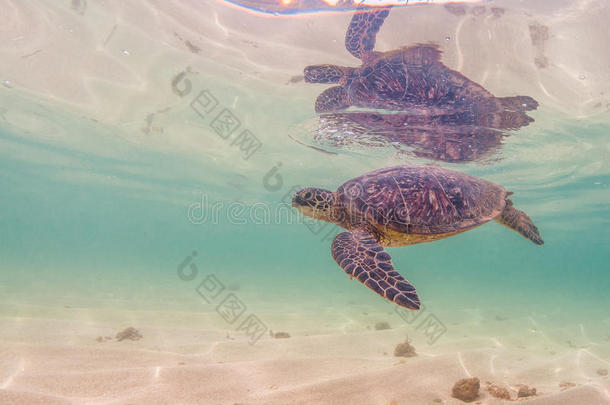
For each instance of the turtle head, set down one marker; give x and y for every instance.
(314, 203)
(325, 73)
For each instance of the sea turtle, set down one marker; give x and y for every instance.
(402, 79)
(405, 205)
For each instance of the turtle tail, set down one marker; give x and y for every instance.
(518, 221)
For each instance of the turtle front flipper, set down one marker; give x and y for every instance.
(363, 29)
(332, 99)
(324, 73)
(361, 256)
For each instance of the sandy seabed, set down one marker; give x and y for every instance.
(332, 356)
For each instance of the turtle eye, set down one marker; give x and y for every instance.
(307, 195)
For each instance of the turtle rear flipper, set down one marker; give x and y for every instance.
(361, 256)
(332, 99)
(518, 221)
(363, 29)
(324, 73)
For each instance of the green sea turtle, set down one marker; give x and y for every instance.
(402, 79)
(405, 205)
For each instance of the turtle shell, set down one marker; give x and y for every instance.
(421, 199)
(411, 77)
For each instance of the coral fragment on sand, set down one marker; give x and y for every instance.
(498, 392)
(405, 349)
(525, 391)
(129, 333)
(467, 389)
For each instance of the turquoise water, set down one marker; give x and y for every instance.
(112, 217)
(118, 199)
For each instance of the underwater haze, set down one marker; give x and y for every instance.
(149, 252)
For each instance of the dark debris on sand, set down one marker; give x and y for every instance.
(129, 333)
(280, 335)
(404, 349)
(467, 389)
(382, 326)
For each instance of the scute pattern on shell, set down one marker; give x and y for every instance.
(421, 199)
(415, 77)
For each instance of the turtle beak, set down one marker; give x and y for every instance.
(302, 205)
(297, 201)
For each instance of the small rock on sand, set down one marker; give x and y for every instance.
(382, 326)
(525, 391)
(498, 392)
(296, 79)
(602, 371)
(404, 349)
(467, 389)
(129, 333)
(281, 335)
